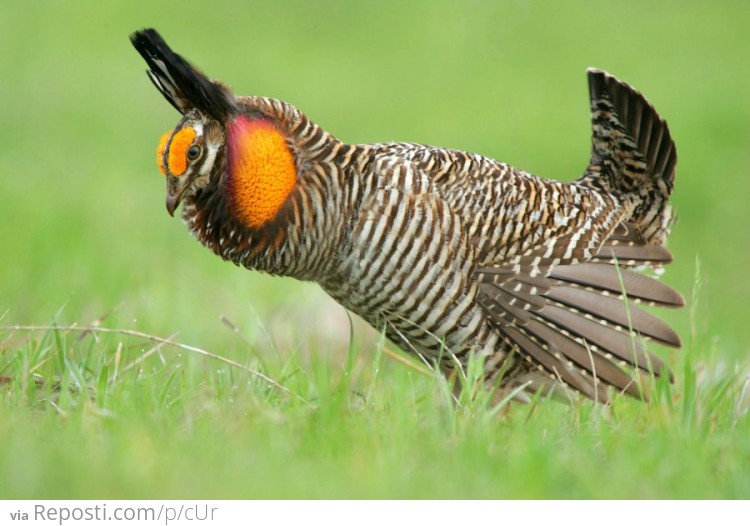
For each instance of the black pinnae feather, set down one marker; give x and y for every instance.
(184, 86)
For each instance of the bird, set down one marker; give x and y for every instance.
(450, 254)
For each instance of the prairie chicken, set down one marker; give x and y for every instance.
(450, 253)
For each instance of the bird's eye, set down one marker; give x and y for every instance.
(193, 152)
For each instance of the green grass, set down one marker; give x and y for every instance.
(134, 419)
(84, 236)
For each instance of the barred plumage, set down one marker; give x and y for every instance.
(448, 252)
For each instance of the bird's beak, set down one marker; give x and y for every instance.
(176, 190)
(173, 201)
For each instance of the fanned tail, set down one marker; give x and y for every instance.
(580, 322)
(632, 155)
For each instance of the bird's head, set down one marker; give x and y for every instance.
(188, 156)
(224, 144)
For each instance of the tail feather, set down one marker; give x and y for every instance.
(633, 154)
(580, 321)
(184, 86)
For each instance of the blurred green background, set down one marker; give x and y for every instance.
(83, 228)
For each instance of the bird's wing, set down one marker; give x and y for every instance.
(558, 271)
(569, 300)
(581, 321)
(557, 262)
(557, 280)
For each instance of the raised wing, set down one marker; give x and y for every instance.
(557, 263)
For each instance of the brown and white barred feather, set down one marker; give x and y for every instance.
(450, 252)
(552, 260)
